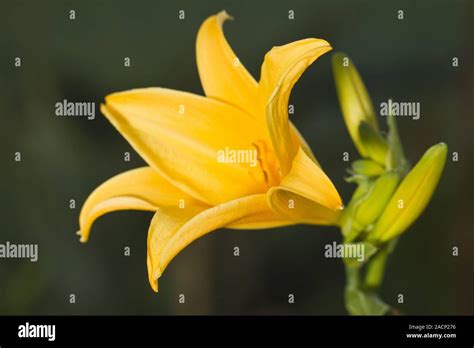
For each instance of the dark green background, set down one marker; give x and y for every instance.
(66, 158)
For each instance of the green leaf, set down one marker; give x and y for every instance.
(396, 158)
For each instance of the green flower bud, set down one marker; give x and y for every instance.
(412, 196)
(351, 230)
(375, 145)
(367, 203)
(369, 210)
(355, 102)
(375, 270)
(367, 168)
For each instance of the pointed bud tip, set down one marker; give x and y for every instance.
(440, 148)
(338, 57)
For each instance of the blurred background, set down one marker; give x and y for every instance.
(66, 158)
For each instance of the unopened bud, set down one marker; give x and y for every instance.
(375, 145)
(370, 209)
(415, 192)
(367, 168)
(355, 102)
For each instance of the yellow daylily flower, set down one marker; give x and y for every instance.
(179, 135)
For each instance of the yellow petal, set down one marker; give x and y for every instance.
(306, 194)
(281, 69)
(172, 229)
(182, 136)
(222, 75)
(165, 224)
(137, 189)
(304, 145)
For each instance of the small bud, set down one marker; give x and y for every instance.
(375, 145)
(415, 191)
(367, 204)
(369, 210)
(367, 167)
(355, 102)
(375, 269)
(350, 229)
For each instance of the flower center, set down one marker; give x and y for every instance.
(267, 163)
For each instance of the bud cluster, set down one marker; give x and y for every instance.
(389, 196)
